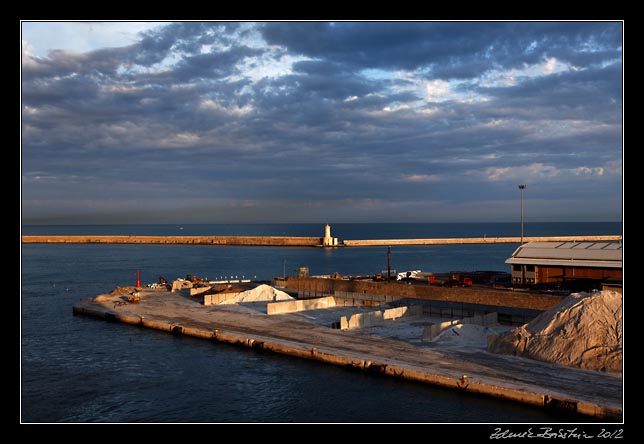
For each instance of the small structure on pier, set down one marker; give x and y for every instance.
(327, 240)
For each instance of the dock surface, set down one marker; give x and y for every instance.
(592, 393)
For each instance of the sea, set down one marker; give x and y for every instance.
(78, 370)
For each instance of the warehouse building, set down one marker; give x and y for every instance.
(551, 262)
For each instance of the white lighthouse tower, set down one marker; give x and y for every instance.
(327, 240)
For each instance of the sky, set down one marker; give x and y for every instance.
(321, 122)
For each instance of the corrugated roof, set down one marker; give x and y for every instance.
(582, 254)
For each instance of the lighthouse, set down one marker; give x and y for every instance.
(327, 240)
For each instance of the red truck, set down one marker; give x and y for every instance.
(455, 280)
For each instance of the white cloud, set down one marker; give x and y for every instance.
(537, 171)
(586, 171)
(396, 106)
(499, 78)
(421, 178)
(232, 110)
(120, 88)
(534, 172)
(29, 59)
(351, 98)
(267, 66)
(181, 140)
(42, 176)
(434, 91)
(437, 90)
(430, 111)
(549, 67)
(81, 36)
(29, 110)
(495, 123)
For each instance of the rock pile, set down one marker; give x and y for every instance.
(584, 330)
(261, 293)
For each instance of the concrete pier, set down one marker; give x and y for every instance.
(291, 241)
(273, 241)
(476, 240)
(591, 393)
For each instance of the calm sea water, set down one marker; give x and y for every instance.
(81, 370)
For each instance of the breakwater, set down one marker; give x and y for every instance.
(272, 241)
(293, 241)
(477, 240)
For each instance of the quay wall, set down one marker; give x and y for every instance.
(319, 287)
(279, 241)
(476, 240)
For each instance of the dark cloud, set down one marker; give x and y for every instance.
(594, 93)
(448, 50)
(187, 37)
(200, 114)
(212, 65)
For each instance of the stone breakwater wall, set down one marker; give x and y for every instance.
(476, 240)
(294, 241)
(285, 241)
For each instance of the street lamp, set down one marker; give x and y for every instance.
(521, 188)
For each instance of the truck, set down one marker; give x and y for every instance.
(452, 280)
(384, 275)
(407, 275)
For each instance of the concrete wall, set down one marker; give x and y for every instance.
(431, 331)
(180, 285)
(289, 241)
(374, 318)
(194, 291)
(474, 240)
(503, 298)
(299, 305)
(457, 310)
(214, 299)
(353, 299)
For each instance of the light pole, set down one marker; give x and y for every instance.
(521, 188)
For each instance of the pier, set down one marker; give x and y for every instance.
(293, 241)
(477, 240)
(278, 328)
(272, 241)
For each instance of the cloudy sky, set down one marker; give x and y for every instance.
(194, 122)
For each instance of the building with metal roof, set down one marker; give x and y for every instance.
(546, 262)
